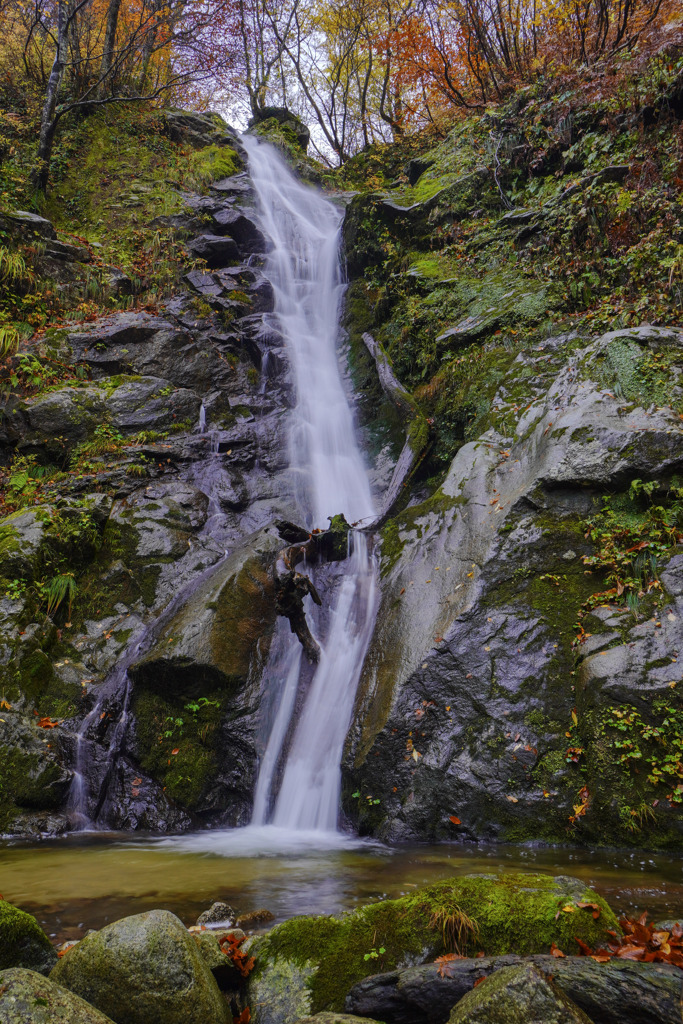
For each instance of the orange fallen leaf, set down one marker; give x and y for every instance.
(555, 951)
(176, 751)
(456, 821)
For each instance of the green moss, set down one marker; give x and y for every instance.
(502, 914)
(23, 943)
(168, 724)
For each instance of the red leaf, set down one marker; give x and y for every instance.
(479, 981)
(456, 821)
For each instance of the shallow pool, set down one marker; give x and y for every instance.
(85, 880)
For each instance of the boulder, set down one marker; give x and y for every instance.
(289, 123)
(335, 1018)
(144, 969)
(28, 998)
(32, 224)
(610, 993)
(309, 964)
(23, 943)
(517, 995)
(237, 225)
(216, 250)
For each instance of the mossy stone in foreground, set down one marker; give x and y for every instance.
(517, 995)
(309, 964)
(23, 943)
(144, 969)
(28, 998)
(336, 1018)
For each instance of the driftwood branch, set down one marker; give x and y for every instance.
(415, 423)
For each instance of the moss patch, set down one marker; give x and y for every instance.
(520, 914)
(23, 943)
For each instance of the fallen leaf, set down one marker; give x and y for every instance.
(554, 951)
(176, 751)
(456, 821)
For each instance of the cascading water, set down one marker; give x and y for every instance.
(330, 477)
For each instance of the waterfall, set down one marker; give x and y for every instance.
(330, 477)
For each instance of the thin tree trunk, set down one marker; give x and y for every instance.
(48, 123)
(109, 42)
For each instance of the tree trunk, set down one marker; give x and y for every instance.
(48, 121)
(109, 42)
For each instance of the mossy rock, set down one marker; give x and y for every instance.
(309, 964)
(23, 943)
(517, 995)
(144, 969)
(29, 998)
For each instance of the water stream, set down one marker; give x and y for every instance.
(330, 477)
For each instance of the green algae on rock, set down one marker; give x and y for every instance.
(145, 969)
(28, 998)
(517, 995)
(23, 943)
(309, 964)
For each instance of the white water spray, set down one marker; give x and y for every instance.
(303, 268)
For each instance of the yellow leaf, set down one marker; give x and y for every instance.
(574, 718)
(512, 799)
(415, 754)
(568, 909)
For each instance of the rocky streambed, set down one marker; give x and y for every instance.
(479, 948)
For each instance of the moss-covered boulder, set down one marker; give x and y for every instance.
(28, 998)
(23, 943)
(335, 1018)
(517, 995)
(144, 969)
(308, 964)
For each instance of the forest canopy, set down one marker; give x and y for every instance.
(361, 72)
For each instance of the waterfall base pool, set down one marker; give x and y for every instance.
(86, 880)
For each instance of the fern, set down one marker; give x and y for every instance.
(9, 341)
(12, 265)
(57, 589)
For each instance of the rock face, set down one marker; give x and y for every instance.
(23, 943)
(29, 998)
(144, 969)
(517, 995)
(170, 450)
(309, 965)
(477, 668)
(608, 993)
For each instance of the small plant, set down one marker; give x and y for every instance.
(15, 589)
(175, 726)
(58, 589)
(375, 954)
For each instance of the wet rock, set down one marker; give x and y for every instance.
(21, 538)
(287, 121)
(198, 129)
(216, 959)
(33, 779)
(144, 969)
(237, 225)
(517, 995)
(609, 993)
(68, 252)
(31, 224)
(486, 693)
(23, 943)
(218, 913)
(216, 250)
(151, 403)
(29, 998)
(255, 918)
(334, 1018)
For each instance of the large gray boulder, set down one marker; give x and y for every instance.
(23, 943)
(144, 969)
(610, 993)
(29, 998)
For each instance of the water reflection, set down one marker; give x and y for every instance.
(86, 880)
